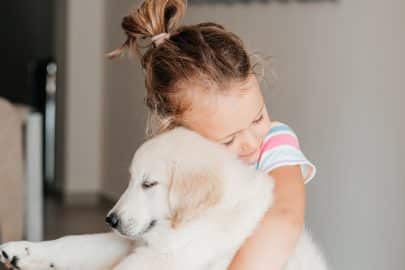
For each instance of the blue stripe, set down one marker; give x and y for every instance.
(280, 128)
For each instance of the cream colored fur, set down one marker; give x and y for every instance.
(205, 203)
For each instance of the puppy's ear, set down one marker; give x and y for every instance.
(190, 193)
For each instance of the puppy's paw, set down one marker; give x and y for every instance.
(24, 255)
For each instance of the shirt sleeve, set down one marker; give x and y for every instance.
(281, 147)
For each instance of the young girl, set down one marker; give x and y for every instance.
(200, 77)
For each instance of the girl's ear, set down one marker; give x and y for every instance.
(190, 193)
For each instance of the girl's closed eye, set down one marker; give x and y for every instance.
(229, 142)
(258, 119)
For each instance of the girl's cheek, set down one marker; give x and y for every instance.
(266, 123)
(262, 130)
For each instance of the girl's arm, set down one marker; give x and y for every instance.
(275, 238)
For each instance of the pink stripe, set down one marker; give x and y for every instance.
(282, 139)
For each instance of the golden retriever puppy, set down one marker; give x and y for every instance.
(190, 204)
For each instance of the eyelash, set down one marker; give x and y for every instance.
(230, 142)
(258, 120)
(254, 122)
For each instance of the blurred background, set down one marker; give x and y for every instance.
(70, 120)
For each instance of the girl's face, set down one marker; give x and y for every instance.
(237, 119)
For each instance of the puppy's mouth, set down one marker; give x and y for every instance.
(134, 235)
(149, 227)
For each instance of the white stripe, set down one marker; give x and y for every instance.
(283, 155)
(272, 134)
(304, 169)
(282, 152)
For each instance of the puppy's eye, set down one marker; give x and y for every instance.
(148, 184)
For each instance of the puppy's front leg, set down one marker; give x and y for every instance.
(145, 258)
(82, 252)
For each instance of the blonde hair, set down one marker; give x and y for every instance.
(204, 54)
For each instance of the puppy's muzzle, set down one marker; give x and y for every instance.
(113, 220)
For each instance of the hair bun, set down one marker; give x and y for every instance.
(152, 18)
(158, 39)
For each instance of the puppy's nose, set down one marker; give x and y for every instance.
(113, 220)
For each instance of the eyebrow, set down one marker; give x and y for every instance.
(242, 129)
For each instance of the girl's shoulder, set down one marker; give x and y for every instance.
(280, 133)
(277, 126)
(281, 147)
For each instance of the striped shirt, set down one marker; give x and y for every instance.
(280, 147)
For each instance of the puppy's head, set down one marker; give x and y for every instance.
(174, 178)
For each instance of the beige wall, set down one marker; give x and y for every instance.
(82, 62)
(340, 86)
